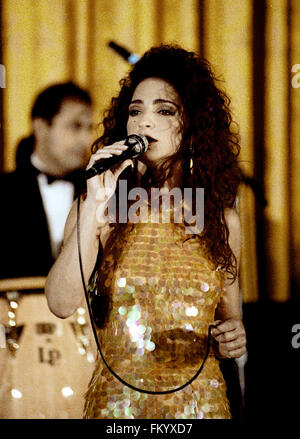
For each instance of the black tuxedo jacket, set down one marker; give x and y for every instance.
(25, 248)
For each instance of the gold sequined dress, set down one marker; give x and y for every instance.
(162, 293)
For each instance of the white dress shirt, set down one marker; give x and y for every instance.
(57, 201)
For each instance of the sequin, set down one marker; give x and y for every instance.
(130, 289)
(187, 410)
(121, 282)
(149, 345)
(141, 329)
(122, 310)
(214, 383)
(126, 390)
(128, 411)
(117, 413)
(126, 403)
(111, 405)
(191, 311)
(140, 281)
(204, 287)
(140, 343)
(153, 281)
(163, 296)
(136, 396)
(206, 407)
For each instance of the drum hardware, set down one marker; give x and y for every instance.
(12, 330)
(43, 373)
(81, 331)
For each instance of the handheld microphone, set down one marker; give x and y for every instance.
(132, 58)
(137, 145)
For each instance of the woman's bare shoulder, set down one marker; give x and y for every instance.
(232, 220)
(234, 226)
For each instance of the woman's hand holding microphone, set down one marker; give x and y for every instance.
(101, 188)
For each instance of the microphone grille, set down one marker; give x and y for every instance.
(138, 142)
(143, 139)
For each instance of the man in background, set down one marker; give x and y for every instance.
(38, 195)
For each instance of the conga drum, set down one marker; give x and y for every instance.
(47, 362)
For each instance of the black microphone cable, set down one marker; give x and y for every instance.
(164, 392)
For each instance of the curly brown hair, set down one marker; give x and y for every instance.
(208, 137)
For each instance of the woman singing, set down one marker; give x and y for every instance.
(157, 286)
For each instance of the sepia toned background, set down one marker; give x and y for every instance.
(254, 47)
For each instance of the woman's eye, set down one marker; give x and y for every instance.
(166, 112)
(76, 125)
(133, 112)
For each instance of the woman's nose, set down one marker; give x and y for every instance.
(146, 121)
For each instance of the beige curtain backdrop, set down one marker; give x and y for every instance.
(46, 41)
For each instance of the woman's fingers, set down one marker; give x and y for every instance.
(230, 337)
(227, 330)
(220, 326)
(103, 186)
(234, 353)
(237, 353)
(106, 152)
(235, 344)
(116, 149)
(233, 350)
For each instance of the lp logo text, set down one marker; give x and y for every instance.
(50, 356)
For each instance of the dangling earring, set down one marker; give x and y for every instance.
(191, 160)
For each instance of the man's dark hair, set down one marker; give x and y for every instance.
(49, 101)
(46, 106)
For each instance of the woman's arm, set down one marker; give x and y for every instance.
(64, 289)
(228, 329)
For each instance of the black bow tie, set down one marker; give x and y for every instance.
(75, 177)
(52, 178)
